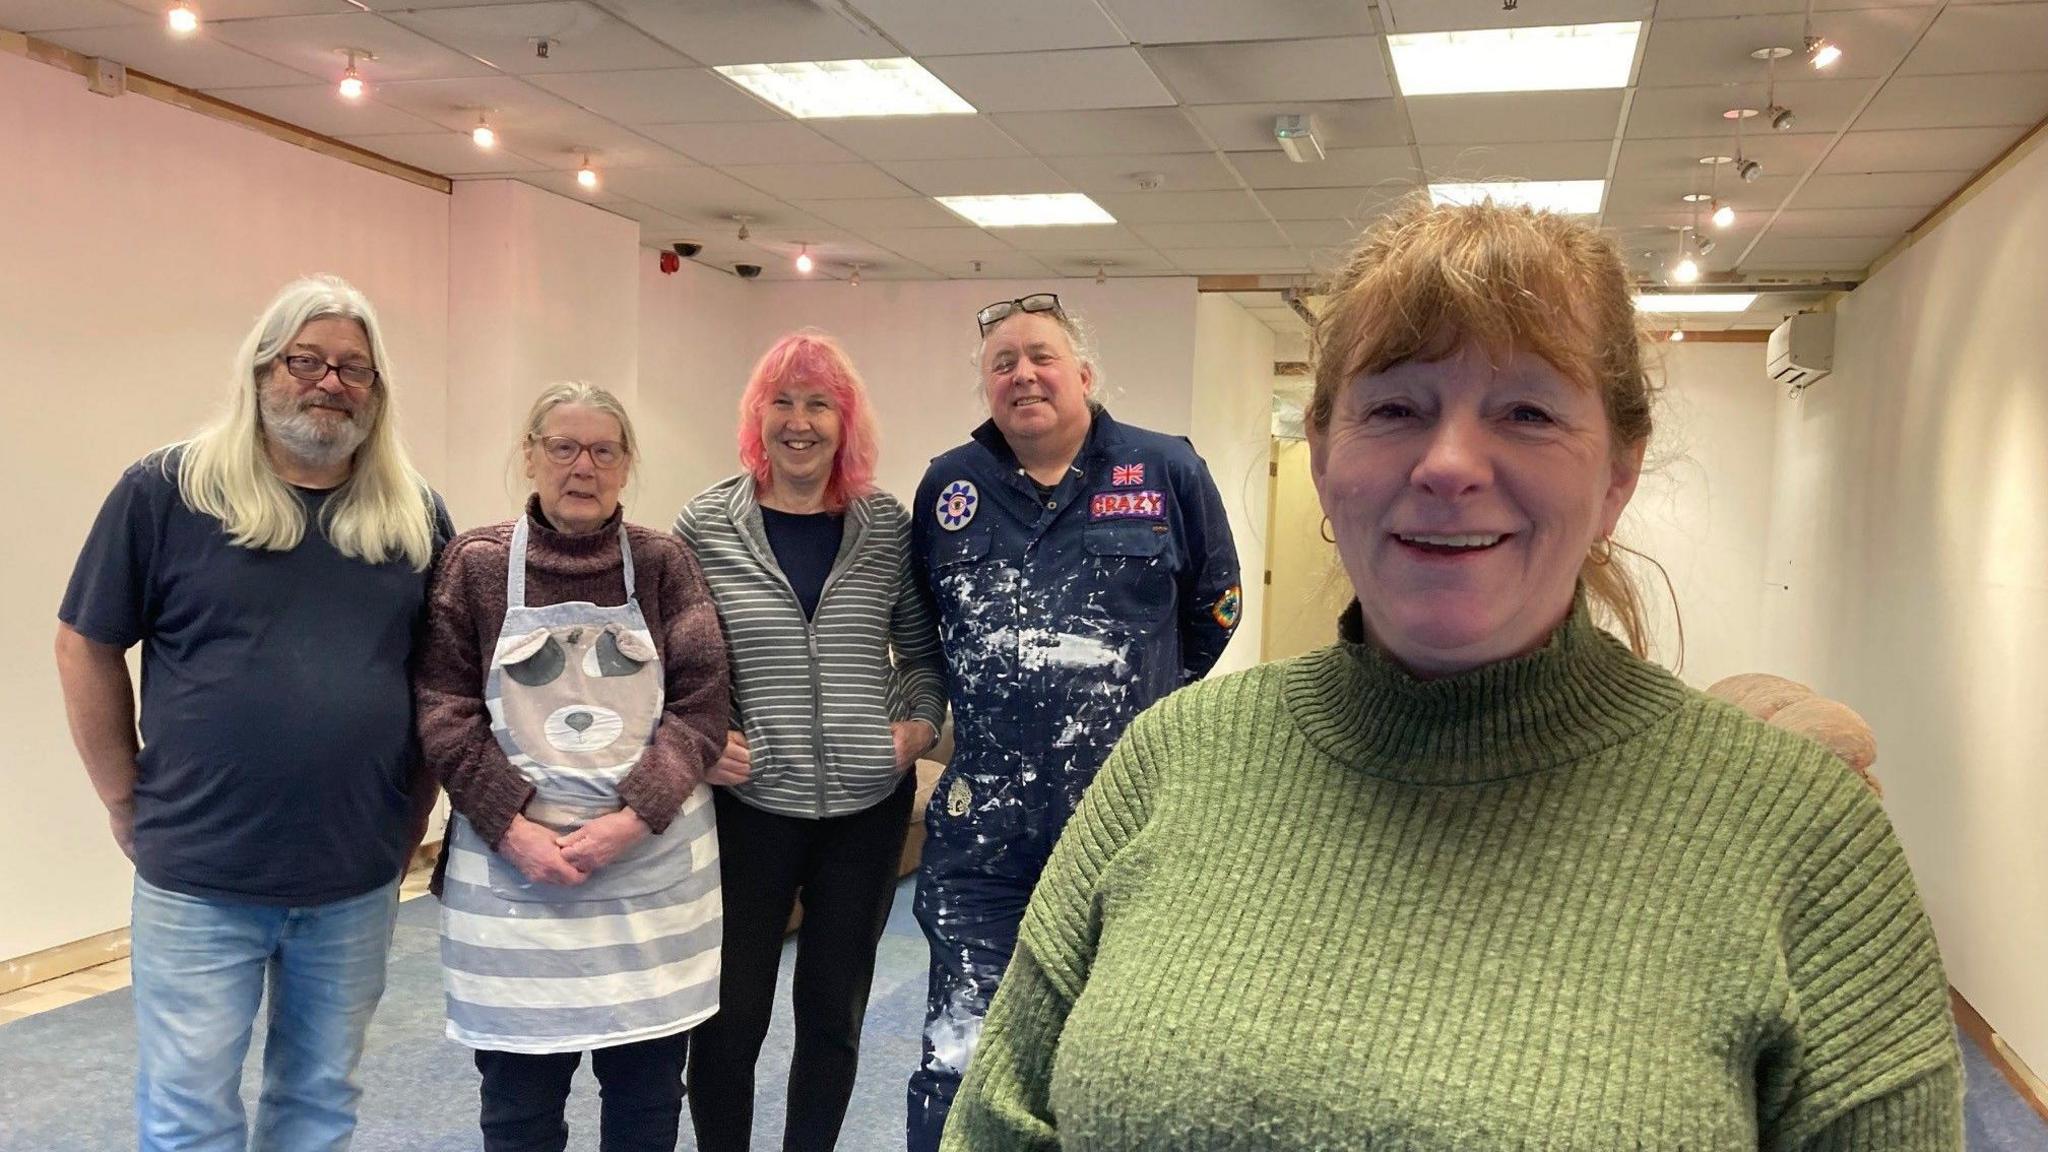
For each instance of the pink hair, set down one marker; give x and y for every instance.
(810, 357)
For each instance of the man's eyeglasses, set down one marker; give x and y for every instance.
(606, 454)
(313, 370)
(1002, 310)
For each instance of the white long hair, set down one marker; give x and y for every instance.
(381, 513)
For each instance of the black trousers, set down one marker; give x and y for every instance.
(845, 868)
(641, 1085)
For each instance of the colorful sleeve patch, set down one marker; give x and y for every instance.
(957, 505)
(1126, 475)
(1228, 606)
(1144, 504)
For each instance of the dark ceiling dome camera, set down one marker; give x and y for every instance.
(687, 248)
(747, 271)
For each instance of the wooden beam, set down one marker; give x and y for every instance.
(63, 960)
(143, 84)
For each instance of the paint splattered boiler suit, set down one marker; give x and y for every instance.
(1063, 617)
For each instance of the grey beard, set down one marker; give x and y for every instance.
(297, 432)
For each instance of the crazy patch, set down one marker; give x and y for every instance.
(1227, 607)
(957, 504)
(1143, 504)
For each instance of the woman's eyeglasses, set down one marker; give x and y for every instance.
(605, 454)
(1002, 310)
(313, 370)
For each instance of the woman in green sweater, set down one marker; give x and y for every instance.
(1480, 878)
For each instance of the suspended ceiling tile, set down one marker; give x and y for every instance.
(1919, 150)
(447, 154)
(1341, 68)
(1695, 112)
(1161, 207)
(202, 62)
(745, 32)
(1184, 21)
(1178, 172)
(1572, 160)
(313, 45)
(1880, 189)
(1338, 123)
(1457, 15)
(969, 27)
(1052, 81)
(1103, 132)
(819, 181)
(315, 108)
(1344, 202)
(579, 37)
(1242, 234)
(920, 137)
(1353, 168)
(893, 212)
(1684, 52)
(781, 142)
(2017, 98)
(1509, 117)
(1014, 176)
(1983, 38)
(660, 96)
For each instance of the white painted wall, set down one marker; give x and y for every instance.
(141, 243)
(697, 343)
(1703, 504)
(540, 289)
(1231, 427)
(1910, 526)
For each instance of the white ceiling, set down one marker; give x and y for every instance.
(1092, 95)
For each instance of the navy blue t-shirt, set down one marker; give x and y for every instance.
(805, 544)
(277, 734)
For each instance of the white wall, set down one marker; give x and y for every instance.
(1231, 427)
(697, 344)
(141, 243)
(1911, 528)
(540, 289)
(1703, 505)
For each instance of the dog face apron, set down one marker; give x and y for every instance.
(575, 692)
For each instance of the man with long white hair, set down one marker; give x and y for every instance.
(274, 569)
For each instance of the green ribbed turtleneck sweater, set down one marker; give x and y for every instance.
(1562, 902)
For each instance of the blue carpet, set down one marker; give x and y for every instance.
(66, 1076)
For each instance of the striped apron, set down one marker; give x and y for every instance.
(575, 692)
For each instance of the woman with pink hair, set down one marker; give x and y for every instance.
(810, 568)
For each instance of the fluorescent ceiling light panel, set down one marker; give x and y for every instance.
(1665, 303)
(1571, 197)
(1515, 59)
(818, 89)
(1036, 211)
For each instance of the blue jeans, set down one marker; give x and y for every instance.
(200, 968)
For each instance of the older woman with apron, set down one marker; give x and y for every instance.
(572, 691)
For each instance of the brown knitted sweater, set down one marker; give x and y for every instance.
(465, 611)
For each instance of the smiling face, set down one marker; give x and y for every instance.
(1036, 387)
(1464, 494)
(800, 433)
(577, 496)
(324, 422)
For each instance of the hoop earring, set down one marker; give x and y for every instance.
(1602, 552)
(1325, 532)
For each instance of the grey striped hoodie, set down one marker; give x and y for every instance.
(815, 698)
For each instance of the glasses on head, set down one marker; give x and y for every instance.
(313, 370)
(1002, 310)
(606, 454)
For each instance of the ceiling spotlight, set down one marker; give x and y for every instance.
(1749, 170)
(1678, 332)
(1823, 53)
(587, 175)
(1781, 116)
(853, 281)
(804, 263)
(743, 233)
(482, 134)
(352, 81)
(183, 21)
(1723, 216)
(1101, 277)
(1686, 271)
(1703, 245)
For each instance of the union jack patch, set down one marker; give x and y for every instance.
(1126, 475)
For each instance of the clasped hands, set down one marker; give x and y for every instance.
(545, 857)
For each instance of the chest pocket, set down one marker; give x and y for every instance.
(1130, 574)
(956, 557)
